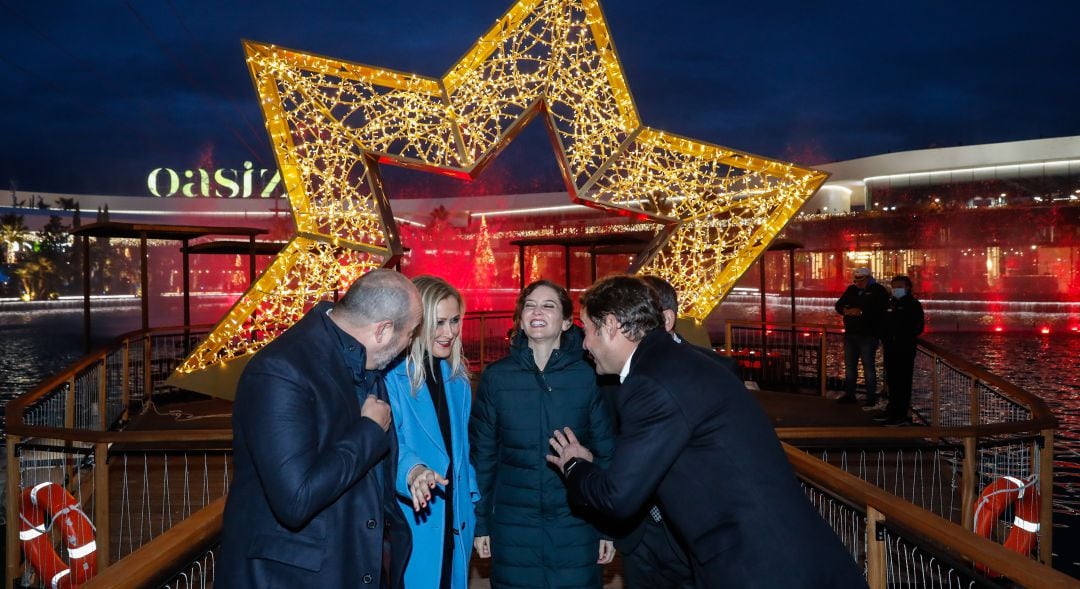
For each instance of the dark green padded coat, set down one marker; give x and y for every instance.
(536, 541)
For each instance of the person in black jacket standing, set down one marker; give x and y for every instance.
(693, 437)
(861, 305)
(311, 502)
(903, 323)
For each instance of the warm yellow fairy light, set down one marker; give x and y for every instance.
(332, 122)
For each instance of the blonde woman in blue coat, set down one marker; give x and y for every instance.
(431, 398)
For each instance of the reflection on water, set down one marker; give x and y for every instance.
(34, 345)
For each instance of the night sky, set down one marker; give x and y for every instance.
(93, 95)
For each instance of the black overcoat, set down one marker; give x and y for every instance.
(312, 490)
(691, 433)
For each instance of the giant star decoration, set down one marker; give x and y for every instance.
(333, 122)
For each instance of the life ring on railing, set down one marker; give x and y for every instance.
(1024, 497)
(52, 500)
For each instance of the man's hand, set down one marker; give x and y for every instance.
(377, 411)
(607, 552)
(566, 446)
(482, 544)
(421, 481)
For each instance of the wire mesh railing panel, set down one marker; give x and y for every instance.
(87, 409)
(909, 565)
(50, 409)
(136, 371)
(786, 358)
(114, 385)
(151, 491)
(848, 523)
(954, 389)
(488, 333)
(167, 351)
(929, 477)
(995, 407)
(922, 387)
(198, 575)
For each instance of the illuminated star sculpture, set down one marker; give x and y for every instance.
(333, 122)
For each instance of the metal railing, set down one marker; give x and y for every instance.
(155, 482)
(976, 426)
(133, 485)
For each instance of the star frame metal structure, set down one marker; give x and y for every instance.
(332, 123)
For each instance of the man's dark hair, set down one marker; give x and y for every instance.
(634, 304)
(564, 300)
(669, 299)
(379, 295)
(907, 281)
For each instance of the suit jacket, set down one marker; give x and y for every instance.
(420, 442)
(312, 491)
(692, 434)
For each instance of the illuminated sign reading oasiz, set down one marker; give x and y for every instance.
(247, 182)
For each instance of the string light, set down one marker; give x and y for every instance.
(333, 122)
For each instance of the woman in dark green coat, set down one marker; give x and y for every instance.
(523, 521)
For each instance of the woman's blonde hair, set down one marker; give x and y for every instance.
(432, 291)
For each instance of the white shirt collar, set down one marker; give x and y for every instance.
(626, 367)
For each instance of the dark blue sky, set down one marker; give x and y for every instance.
(93, 95)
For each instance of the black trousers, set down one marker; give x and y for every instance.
(899, 370)
(657, 561)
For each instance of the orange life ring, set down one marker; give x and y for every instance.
(52, 500)
(1024, 497)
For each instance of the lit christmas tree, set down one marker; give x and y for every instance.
(484, 271)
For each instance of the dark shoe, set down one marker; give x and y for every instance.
(879, 406)
(897, 422)
(882, 418)
(846, 400)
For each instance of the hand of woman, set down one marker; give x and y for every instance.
(607, 552)
(421, 481)
(482, 544)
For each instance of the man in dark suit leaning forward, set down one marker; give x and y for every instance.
(314, 450)
(692, 434)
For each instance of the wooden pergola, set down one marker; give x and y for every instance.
(604, 244)
(144, 232)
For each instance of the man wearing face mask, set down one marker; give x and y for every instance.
(902, 323)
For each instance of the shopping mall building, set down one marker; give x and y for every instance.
(983, 222)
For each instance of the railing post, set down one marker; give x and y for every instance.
(824, 368)
(1046, 492)
(148, 387)
(103, 392)
(877, 565)
(11, 510)
(935, 390)
(69, 423)
(101, 503)
(974, 401)
(968, 482)
(483, 339)
(125, 382)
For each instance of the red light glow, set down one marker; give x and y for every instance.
(999, 329)
(1044, 330)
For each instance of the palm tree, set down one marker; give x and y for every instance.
(13, 234)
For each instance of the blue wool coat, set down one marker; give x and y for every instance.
(420, 442)
(537, 541)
